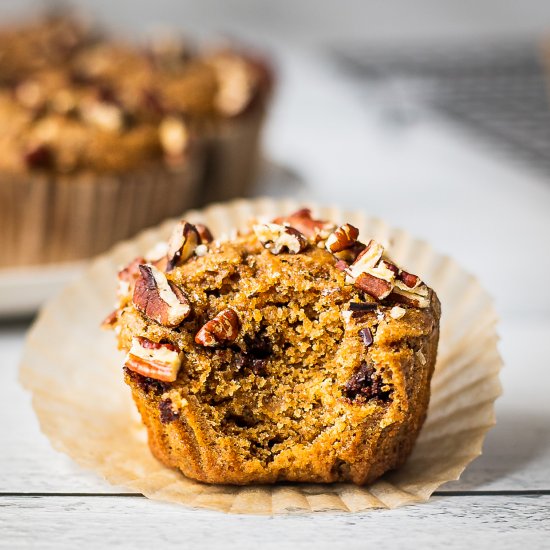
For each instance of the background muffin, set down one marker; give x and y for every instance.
(292, 352)
(101, 138)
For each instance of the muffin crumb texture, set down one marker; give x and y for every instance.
(289, 366)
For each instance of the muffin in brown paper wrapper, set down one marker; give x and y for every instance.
(86, 410)
(49, 218)
(102, 136)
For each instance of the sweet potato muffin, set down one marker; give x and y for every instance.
(292, 351)
(97, 133)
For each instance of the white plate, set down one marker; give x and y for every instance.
(23, 290)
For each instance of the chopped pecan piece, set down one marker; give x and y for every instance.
(392, 267)
(110, 320)
(236, 82)
(379, 278)
(302, 220)
(154, 360)
(174, 136)
(371, 274)
(408, 279)
(223, 328)
(280, 238)
(160, 299)
(349, 255)
(201, 250)
(128, 276)
(182, 244)
(417, 297)
(367, 259)
(397, 312)
(204, 233)
(105, 115)
(342, 238)
(341, 265)
(373, 286)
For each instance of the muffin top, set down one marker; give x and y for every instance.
(40, 42)
(289, 327)
(88, 102)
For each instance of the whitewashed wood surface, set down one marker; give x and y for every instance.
(489, 213)
(133, 522)
(503, 498)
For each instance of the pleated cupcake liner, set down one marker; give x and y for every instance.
(73, 371)
(54, 218)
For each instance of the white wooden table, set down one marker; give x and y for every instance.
(491, 215)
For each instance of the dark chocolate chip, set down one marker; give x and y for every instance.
(248, 361)
(255, 356)
(167, 413)
(365, 384)
(258, 346)
(106, 94)
(257, 366)
(359, 309)
(366, 336)
(362, 306)
(240, 361)
(245, 420)
(40, 156)
(146, 384)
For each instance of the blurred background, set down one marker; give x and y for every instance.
(433, 115)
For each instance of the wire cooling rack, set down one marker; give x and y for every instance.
(499, 92)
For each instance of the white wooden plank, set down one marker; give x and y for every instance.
(27, 461)
(114, 522)
(517, 452)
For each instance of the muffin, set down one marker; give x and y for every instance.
(291, 351)
(101, 138)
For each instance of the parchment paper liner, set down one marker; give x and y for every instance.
(74, 373)
(48, 218)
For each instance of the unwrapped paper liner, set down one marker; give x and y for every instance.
(74, 373)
